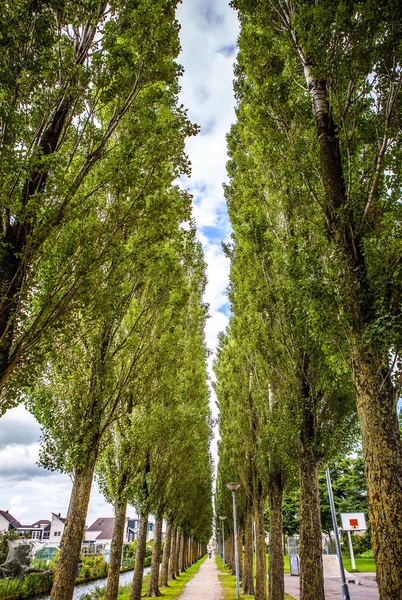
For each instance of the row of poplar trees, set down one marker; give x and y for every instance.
(101, 277)
(314, 198)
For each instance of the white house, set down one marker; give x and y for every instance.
(101, 530)
(40, 530)
(7, 521)
(56, 527)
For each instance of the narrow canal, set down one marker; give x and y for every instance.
(86, 588)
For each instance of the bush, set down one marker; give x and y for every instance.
(129, 551)
(24, 587)
(93, 566)
(367, 554)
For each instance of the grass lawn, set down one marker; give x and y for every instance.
(175, 587)
(228, 582)
(285, 563)
(363, 565)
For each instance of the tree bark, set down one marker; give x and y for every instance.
(164, 574)
(177, 554)
(261, 564)
(173, 552)
(248, 576)
(136, 587)
(116, 549)
(240, 549)
(153, 584)
(311, 567)
(276, 578)
(70, 546)
(383, 471)
(181, 553)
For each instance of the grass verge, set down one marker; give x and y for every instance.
(363, 565)
(175, 588)
(228, 582)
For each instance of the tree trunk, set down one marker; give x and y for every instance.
(136, 587)
(116, 551)
(383, 470)
(185, 541)
(229, 555)
(181, 553)
(153, 587)
(276, 579)
(164, 574)
(240, 550)
(248, 576)
(311, 567)
(173, 554)
(70, 546)
(261, 564)
(177, 554)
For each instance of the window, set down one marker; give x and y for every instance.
(36, 535)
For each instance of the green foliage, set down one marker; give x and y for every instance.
(119, 134)
(92, 566)
(24, 587)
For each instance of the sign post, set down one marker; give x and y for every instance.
(353, 522)
(345, 588)
(352, 555)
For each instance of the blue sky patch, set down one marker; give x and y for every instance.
(227, 51)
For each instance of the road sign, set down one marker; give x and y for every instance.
(353, 522)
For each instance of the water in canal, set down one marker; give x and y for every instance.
(85, 588)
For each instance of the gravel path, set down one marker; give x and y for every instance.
(205, 585)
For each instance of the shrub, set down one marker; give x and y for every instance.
(93, 566)
(24, 587)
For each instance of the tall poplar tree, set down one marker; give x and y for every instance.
(89, 95)
(322, 86)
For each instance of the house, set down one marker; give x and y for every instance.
(57, 525)
(101, 530)
(40, 530)
(7, 521)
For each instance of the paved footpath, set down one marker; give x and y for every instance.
(367, 590)
(205, 585)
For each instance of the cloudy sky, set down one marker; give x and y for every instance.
(208, 37)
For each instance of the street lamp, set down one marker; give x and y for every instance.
(223, 538)
(233, 487)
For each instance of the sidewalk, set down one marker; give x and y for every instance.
(367, 590)
(205, 585)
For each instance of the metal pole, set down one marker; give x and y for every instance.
(236, 548)
(352, 555)
(345, 589)
(223, 542)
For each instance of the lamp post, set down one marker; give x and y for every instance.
(223, 538)
(233, 487)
